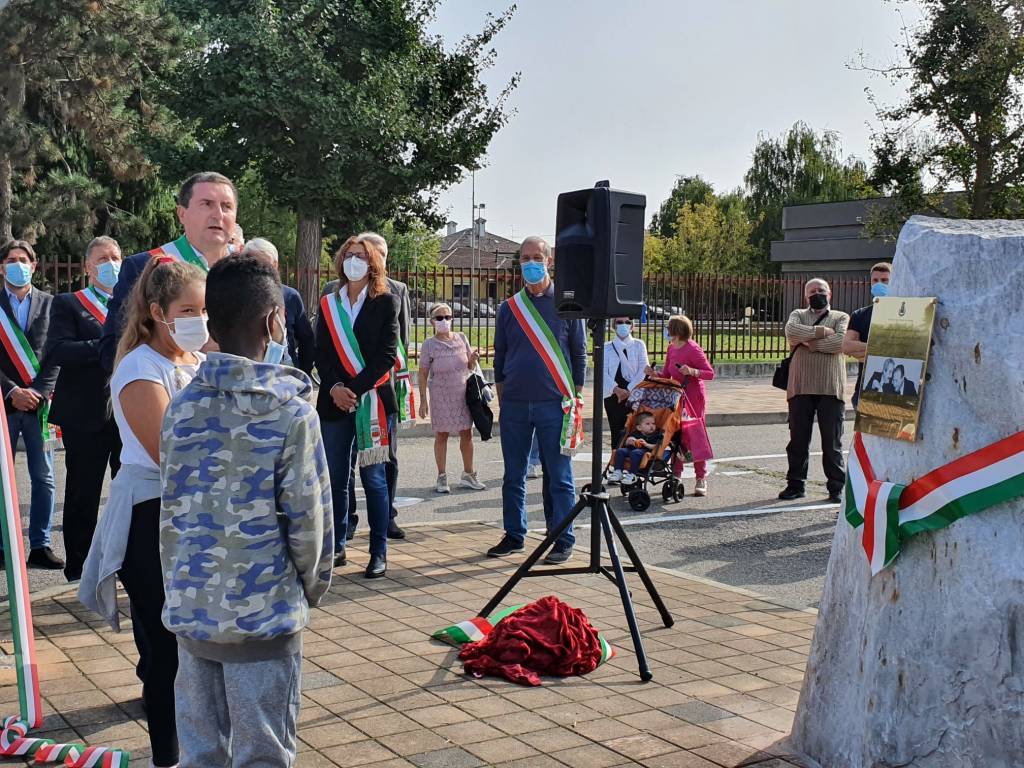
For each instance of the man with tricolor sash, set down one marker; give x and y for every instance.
(207, 205)
(26, 380)
(80, 400)
(403, 392)
(540, 362)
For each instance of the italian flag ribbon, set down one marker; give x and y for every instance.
(13, 340)
(181, 250)
(543, 340)
(372, 441)
(889, 513)
(403, 388)
(94, 302)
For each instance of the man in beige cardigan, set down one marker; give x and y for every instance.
(817, 382)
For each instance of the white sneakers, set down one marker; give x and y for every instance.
(628, 478)
(615, 476)
(701, 488)
(468, 480)
(533, 470)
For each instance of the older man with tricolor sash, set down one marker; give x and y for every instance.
(26, 380)
(81, 399)
(207, 205)
(540, 362)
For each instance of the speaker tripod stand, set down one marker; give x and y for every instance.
(603, 523)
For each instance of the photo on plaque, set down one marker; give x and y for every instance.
(896, 366)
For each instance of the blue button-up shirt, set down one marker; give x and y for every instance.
(20, 307)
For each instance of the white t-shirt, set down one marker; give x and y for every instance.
(145, 364)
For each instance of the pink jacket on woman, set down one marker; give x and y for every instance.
(692, 355)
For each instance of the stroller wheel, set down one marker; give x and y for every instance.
(639, 500)
(624, 489)
(672, 490)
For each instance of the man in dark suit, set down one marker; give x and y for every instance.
(80, 401)
(207, 204)
(401, 290)
(297, 328)
(900, 384)
(26, 381)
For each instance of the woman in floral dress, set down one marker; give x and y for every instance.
(446, 361)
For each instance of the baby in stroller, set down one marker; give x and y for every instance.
(645, 438)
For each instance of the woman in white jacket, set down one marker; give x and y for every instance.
(625, 359)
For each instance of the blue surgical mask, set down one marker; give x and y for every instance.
(275, 349)
(108, 272)
(878, 290)
(622, 330)
(666, 333)
(534, 272)
(18, 274)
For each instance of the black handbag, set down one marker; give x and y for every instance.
(780, 379)
(476, 400)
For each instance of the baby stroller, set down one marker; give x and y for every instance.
(660, 397)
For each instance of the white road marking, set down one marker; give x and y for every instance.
(708, 515)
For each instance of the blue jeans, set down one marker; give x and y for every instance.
(635, 456)
(40, 471)
(534, 460)
(520, 420)
(339, 438)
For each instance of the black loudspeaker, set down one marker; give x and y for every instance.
(599, 253)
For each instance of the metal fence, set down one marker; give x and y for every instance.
(736, 318)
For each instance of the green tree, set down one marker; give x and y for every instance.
(687, 189)
(412, 245)
(963, 70)
(798, 167)
(74, 109)
(348, 110)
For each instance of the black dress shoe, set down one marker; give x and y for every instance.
(377, 566)
(791, 493)
(44, 558)
(394, 532)
(339, 558)
(835, 498)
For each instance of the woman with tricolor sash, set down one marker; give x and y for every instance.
(158, 355)
(356, 344)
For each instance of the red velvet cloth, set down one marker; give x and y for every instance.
(546, 637)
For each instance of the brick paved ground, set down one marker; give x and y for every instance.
(377, 691)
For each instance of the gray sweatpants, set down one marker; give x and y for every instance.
(237, 715)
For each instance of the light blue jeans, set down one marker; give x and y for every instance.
(237, 713)
(40, 472)
(521, 420)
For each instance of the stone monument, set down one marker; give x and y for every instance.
(923, 664)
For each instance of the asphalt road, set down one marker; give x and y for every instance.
(740, 534)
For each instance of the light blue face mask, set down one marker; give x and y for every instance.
(534, 272)
(878, 290)
(108, 272)
(666, 333)
(622, 330)
(275, 349)
(18, 274)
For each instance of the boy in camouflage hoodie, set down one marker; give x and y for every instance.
(246, 539)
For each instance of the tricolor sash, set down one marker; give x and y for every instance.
(24, 359)
(181, 250)
(94, 302)
(889, 513)
(371, 420)
(544, 343)
(403, 388)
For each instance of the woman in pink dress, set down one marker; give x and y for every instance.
(445, 363)
(686, 362)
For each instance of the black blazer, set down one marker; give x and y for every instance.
(376, 330)
(38, 328)
(83, 386)
(398, 289)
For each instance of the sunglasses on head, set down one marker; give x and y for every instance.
(442, 317)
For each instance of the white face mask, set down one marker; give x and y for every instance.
(189, 333)
(355, 268)
(442, 326)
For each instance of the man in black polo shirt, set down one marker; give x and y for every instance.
(855, 341)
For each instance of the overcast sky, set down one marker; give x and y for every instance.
(640, 91)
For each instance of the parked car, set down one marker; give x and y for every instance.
(458, 310)
(483, 309)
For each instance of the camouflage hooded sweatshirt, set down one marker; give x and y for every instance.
(246, 525)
